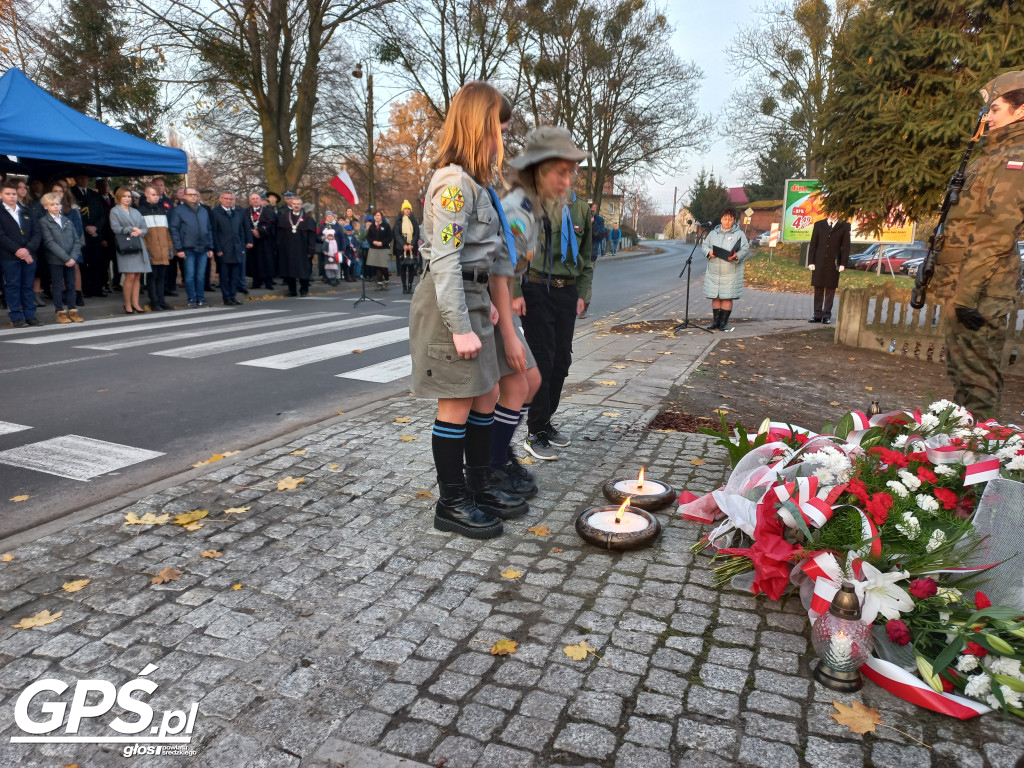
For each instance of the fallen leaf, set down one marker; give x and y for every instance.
(511, 573)
(215, 457)
(211, 553)
(357, 351)
(333, 466)
(611, 414)
(834, 402)
(236, 510)
(193, 526)
(425, 494)
(697, 462)
(556, 550)
(187, 518)
(527, 461)
(721, 410)
(408, 438)
(41, 619)
(740, 346)
(727, 362)
(167, 574)
(290, 483)
(341, 413)
(403, 420)
(858, 718)
(101, 390)
(609, 383)
(503, 647)
(870, 389)
(619, 367)
(236, 587)
(579, 651)
(6, 558)
(150, 518)
(539, 530)
(22, 497)
(74, 586)
(300, 452)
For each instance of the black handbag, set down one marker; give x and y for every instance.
(128, 244)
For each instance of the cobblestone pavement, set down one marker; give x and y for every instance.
(337, 627)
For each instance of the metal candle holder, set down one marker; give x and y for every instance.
(597, 526)
(652, 495)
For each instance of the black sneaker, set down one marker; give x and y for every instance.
(556, 438)
(18, 324)
(33, 321)
(539, 447)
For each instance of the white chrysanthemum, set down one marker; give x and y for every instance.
(978, 685)
(929, 421)
(832, 466)
(967, 663)
(962, 416)
(936, 540)
(1007, 452)
(978, 432)
(898, 488)
(1010, 696)
(1017, 462)
(910, 527)
(993, 702)
(909, 479)
(900, 441)
(945, 469)
(927, 503)
(1003, 665)
(1015, 439)
(941, 405)
(960, 432)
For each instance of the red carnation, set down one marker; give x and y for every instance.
(897, 632)
(976, 650)
(918, 456)
(801, 438)
(926, 475)
(981, 601)
(859, 489)
(878, 507)
(923, 588)
(947, 687)
(947, 497)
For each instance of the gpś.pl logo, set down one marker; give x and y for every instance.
(171, 736)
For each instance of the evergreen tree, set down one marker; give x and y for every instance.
(91, 66)
(779, 162)
(905, 100)
(708, 198)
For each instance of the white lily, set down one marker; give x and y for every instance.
(879, 594)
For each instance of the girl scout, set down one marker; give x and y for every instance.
(451, 318)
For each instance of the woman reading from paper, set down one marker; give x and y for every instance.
(726, 249)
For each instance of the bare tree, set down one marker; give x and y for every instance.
(21, 36)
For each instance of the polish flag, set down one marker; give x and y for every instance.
(343, 183)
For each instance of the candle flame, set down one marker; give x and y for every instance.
(622, 509)
(640, 480)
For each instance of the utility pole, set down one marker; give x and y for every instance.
(675, 191)
(358, 73)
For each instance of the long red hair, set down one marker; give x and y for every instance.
(472, 131)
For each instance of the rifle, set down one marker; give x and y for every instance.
(951, 198)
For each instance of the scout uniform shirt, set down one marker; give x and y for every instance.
(548, 260)
(461, 233)
(527, 231)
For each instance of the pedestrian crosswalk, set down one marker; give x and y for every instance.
(234, 335)
(75, 457)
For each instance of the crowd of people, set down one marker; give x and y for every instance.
(91, 243)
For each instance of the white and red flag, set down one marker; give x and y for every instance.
(343, 183)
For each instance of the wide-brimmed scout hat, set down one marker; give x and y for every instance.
(547, 143)
(1004, 83)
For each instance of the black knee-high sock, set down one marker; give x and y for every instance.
(479, 427)
(448, 444)
(505, 423)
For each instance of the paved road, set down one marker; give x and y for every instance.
(94, 410)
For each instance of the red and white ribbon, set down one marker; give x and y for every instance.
(907, 686)
(804, 494)
(981, 472)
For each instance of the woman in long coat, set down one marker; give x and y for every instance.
(726, 249)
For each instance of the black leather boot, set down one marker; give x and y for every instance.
(489, 498)
(456, 512)
(723, 324)
(513, 466)
(509, 481)
(714, 323)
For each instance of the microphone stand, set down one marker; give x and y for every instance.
(687, 269)
(364, 297)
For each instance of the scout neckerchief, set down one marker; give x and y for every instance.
(569, 233)
(506, 230)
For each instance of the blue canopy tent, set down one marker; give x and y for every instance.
(41, 136)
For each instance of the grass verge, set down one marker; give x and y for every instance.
(782, 272)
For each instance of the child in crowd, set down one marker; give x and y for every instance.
(63, 248)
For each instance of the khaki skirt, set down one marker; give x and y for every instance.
(437, 370)
(378, 257)
(499, 346)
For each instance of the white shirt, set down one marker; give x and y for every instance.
(14, 213)
(57, 218)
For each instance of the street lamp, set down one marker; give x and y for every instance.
(358, 73)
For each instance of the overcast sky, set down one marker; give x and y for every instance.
(702, 32)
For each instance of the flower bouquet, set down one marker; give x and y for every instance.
(897, 505)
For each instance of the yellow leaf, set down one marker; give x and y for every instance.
(149, 518)
(341, 413)
(74, 586)
(167, 574)
(539, 530)
(618, 367)
(193, 526)
(408, 438)
(609, 383)
(556, 550)
(6, 558)
(579, 651)
(402, 420)
(511, 573)
(721, 410)
(186, 518)
(727, 362)
(290, 483)
(333, 466)
(740, 346)
(611, 414)
(870, 389)
(503, 647)
(211, 553)
(22, 497)
(425, 494)
(236, 510)
(527, 461)
(215, 457)
(236, 587)
(300, 452)
(697, 462)
(41, 619)
(834, 402)
(858, 718)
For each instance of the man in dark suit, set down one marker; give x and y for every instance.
(232, 237)
(94, 219)
(109, 259)
(263, 225)
(19, 241)
(828, 255)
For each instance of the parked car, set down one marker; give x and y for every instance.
(761, 241)
(892, 259)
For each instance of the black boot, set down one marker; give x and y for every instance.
(513, 465)
(483, 487)
(456, 512)
(512, 482)
(714, 323)
(723, 324)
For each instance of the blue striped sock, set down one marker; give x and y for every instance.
(505, 423)
(447, 442)
(479, 427)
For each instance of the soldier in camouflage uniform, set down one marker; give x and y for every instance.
(978, 270)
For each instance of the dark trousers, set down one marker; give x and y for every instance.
(94, 268)
(823, 298)
(157, 284)
(230, 274)
(62, 282)
(408, 274)
(18, 277)
(170, 276)
(303, 285)
(548, 326)
(240, 284)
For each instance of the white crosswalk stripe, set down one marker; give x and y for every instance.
(93, 333)
(382, 373)
(147, 317)
(242, 342)
(300, 357)
(7, 427)
(234, 327)
(75, 457)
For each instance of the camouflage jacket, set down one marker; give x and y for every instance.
(980, 257)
